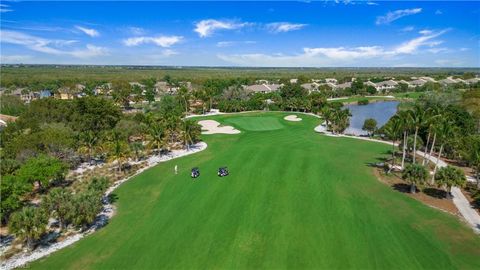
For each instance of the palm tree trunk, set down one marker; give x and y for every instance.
(431, 149)
(436, 164)
(404, 148)
(415, 144)
(449, 193)
(426, 149)
(478, 178)
(412, 188)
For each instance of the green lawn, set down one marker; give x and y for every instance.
(294, 199)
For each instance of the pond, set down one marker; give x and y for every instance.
(380, 111)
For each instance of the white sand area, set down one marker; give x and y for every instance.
(292, 118)
(213, 127)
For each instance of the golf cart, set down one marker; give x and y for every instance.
(195, 172)
(222, 171)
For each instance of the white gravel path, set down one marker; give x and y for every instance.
(107, 212)
(463, 205)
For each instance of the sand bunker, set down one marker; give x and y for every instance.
(292, 118)
(213, 127)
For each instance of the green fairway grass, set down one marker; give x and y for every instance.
(253, 123)
(294, 199)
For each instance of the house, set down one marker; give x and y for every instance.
(447, 81)
(331, 80)
(343, 85)
(45, 94)
(369, 83)
(472, 81)
(428, 79)
(386, 86)
(293, 80)
(416, 83)
(262, 88)
(262, 82)
(164, 87)
(404, 82)
(64, 93)
(311, 86)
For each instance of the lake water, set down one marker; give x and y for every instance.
(380, 111)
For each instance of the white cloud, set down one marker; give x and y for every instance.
(337, 55)
(408, 29)
(397, 14)
(162, 41)
(464, 49)
(169, 52)
(206, 28)
(372, 4)
(89, 52)
(138, 31)
(425, 39)
(279, 27)
(7, 59)
(88, 31)
(50, 46)
(449, 62)
(438, 12)
(5, 8)
(222, 44)
(438, 50)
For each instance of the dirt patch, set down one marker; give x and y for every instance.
(432, 197)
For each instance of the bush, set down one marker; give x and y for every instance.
(363, 102)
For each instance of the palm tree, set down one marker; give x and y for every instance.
(393, 130)
(450, 176)
(118, 149)
(87, 205)
(88, 141)
(405, 120)
(340, 120)
(156, 134)
(191, 132)
(415, 174)
(432, 118)
(136, 148)
(327, 114)
(59, 201)
(417, 117)
(29, 224)
(184, 97)
(445, 131)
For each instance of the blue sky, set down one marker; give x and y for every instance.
(287, 34)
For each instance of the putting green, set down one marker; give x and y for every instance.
(294, 199)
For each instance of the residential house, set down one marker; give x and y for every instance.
(472, 81)
(447, 81)
(65, 93)
(416, 83)
(262, 88)
(164, 87)
(45, 94)
(331, 80)
(343, 85)
(428, 79)
(293, 80)
(311, 86)
(386, 86)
